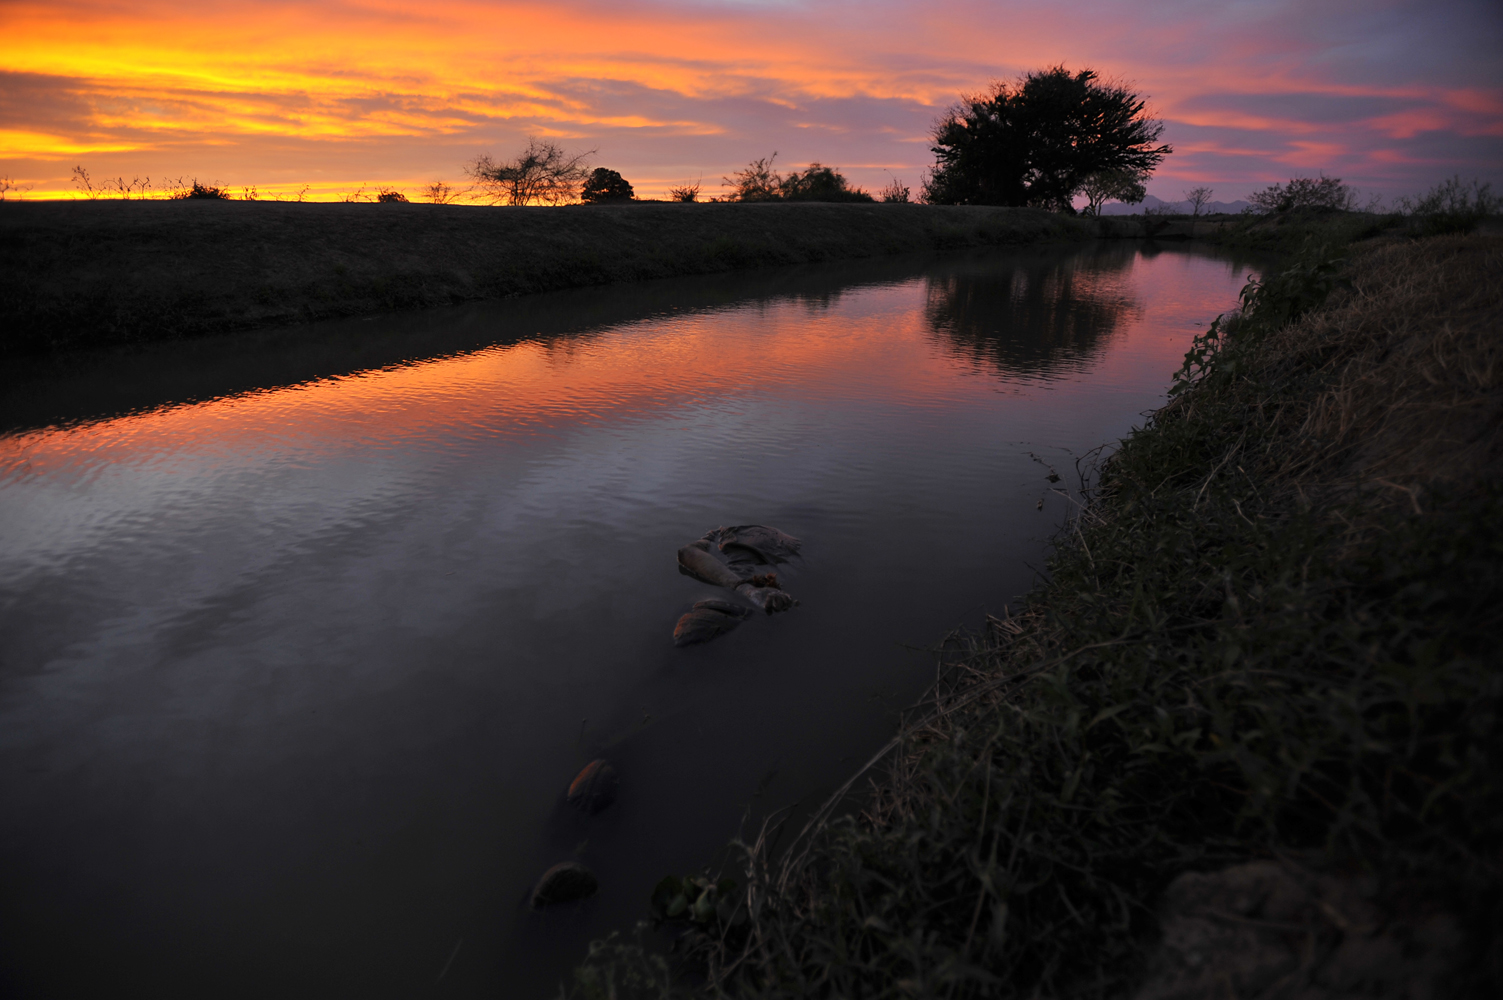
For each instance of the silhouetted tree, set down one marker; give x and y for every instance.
(391, 195)
(605, 185)
(689, 192)
(1035, 142)
(543, 174)
(1126, 186)
(1197, 197)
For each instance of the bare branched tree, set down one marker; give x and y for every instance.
(1127, 186)
(1197, 197)
(8, 184)
(544, 174)
(441, 193)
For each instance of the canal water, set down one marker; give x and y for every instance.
(304, 633)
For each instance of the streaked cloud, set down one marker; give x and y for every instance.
(333, 93)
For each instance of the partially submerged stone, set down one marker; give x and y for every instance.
(729, 558)
(700, 561)
(564, 883)
(594, 788)
(708, 619)
(766, 545)
(771, 600)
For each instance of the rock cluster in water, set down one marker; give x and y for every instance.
(739, 559)
(592, 790)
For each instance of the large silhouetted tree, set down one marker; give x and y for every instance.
(605, 185)
(1036, 142)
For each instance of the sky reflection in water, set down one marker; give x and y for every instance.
(294, 679)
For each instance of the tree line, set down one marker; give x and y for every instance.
(1044, 140)
(1041, 142)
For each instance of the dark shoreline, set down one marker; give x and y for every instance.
(108, 273)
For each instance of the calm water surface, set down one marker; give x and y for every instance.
(294, 675)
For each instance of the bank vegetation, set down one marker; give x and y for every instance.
(1244, 740)
(117, 272)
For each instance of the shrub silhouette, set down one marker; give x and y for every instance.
(689, 192)
(1304, 192)
(391, 195)
(605, 185)
(208, 192)
(1453, 207)
(440, 193)
(820, 183)
(1035, 142)
(896, 193)
(758, 181)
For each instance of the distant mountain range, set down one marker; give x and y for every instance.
(1210, 207)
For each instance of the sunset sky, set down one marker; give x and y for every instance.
(1391, 96)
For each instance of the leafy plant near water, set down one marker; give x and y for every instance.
(1273, 632)
(1266, 304)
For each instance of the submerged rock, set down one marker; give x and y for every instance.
(698, 560)
(708, 619)
(564, 883)
(770, 599)
(729, 558)
(767, 545)
(594, 788)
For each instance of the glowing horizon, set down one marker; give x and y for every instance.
(337, 94)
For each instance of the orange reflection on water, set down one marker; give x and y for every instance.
(884, 345)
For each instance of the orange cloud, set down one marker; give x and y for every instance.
(280, 93)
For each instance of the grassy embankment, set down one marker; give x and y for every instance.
(1272, 633)
(84, 274)
(1279, 232)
